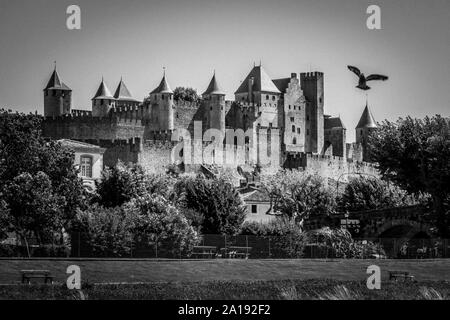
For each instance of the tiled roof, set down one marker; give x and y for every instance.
(79, 146)
(123, 94)
(261, 82)
(367, 120)
(214, 88)
(333, 123)
(103, 92)
(282, 84)
(56, 83)
(255, 195)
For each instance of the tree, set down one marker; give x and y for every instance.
(4, 220)
(216, 200)
(185, 94)
(40, 171)
(297, 195)
(160, 222)
(365, 193)
(123, 182)
(107, 232)
(33, 206)
(415, 154)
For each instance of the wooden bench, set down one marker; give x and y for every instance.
(236, 252)
(27, 275)
(394, 275)
(204, 251)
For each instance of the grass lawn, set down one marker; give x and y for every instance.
(235, 290)
(132, 271)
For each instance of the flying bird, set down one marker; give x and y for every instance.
(363, 79)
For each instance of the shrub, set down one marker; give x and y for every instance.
(337, 243)
(286, 236)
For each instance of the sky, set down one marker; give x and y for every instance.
(135, 39)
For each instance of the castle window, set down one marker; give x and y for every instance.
(289, 107)
(295, 107)
(294, 141)
(273, 98)
(270, 125)
(162, 97)
(267, 97)
(254, 208)
(86, 166)
(292, 119)
(298, 130)
(293, 129)
(307, 118)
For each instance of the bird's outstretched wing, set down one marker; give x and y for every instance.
(355, 70)
(376, 77)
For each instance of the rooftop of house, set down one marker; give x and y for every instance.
(79, 146)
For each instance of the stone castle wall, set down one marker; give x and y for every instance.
(129, 138)
(90, 128)
(337, 168)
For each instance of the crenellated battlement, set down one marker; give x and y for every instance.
(248, 104)
(159, 144)
(311, 75)
(81, 113)
(85, 117)
(187, 104)
(328, 158)
(124, 109)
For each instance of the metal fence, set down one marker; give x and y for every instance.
(221, 246)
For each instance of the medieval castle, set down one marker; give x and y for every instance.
(142, 131)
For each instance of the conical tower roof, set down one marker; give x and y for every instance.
(367, 120)
(56, 83)
(122, 93)
(213, 87)
(261, 82)
(103, 92)
(163, 87)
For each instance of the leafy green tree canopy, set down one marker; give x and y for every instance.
(185, 94)
(415, 154)
(297, 195)
(216, 200)
(122, 183)
(363, 193)
(39, 184)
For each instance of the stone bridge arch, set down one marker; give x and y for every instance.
(402, 229)
(394, 233)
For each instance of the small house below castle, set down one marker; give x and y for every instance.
(88, 160)
(257, 202)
